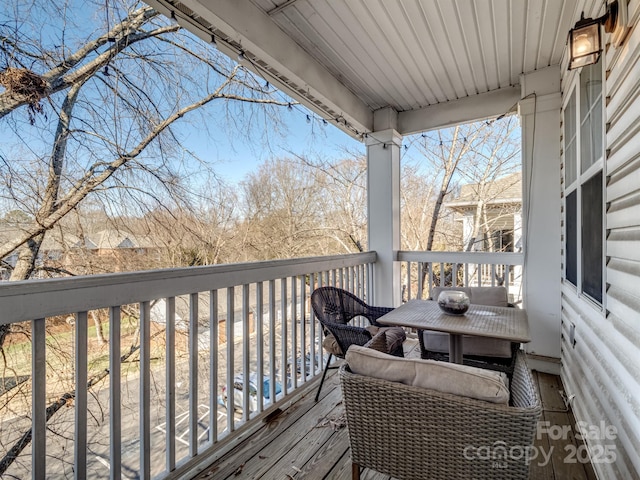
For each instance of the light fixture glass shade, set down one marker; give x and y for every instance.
(584, 44)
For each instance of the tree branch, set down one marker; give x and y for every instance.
(94, 178)
(62, 76)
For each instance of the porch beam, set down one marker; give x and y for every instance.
(254, 30)
(463, 110)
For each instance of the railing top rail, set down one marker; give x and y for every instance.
(27, 300)
(497, 258)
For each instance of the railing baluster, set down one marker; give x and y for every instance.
(420, 280)
(38, 399)
(258, 319)
(372, 285)
(246, 364)
(294, 332)
(170, 379)
(115, 417)
(303, 328)
(80, 445)
(145, 391)
(312, 327)
(283, 336)
(193, 374)
(454, 274)
(213, 366)
(230, 360)
(354, 280)
(272, 340)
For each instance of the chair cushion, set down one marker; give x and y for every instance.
(387, 339)
(471, 345)
(444, 377)
(395, 337)
(495, 296)
(378, 342)
(330, 344)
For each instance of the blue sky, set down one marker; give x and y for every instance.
(232, 155)
(235, 157)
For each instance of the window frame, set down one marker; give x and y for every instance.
(577, 184)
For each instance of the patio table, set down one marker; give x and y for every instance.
(502, 323)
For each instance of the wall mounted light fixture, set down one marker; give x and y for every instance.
(585, 41)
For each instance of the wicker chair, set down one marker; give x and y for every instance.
(335, 308)
(414, 433)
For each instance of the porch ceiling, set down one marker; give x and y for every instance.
(435, 62)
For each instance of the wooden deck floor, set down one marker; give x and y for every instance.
(309, 441)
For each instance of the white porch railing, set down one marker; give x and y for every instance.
(421, 271)
(155, 406)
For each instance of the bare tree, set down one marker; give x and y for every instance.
(281, 205)
(92, 100)
(114, 98)
(480, 152)
(342, 211)
(485, 179)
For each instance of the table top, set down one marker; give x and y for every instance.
(503, 323)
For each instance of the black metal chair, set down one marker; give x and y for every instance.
(335, 308)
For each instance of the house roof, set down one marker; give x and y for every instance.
(56, 239)
(112, 239)
(504, 191)
(437, 63)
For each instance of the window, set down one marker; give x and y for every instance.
(502, 240)
(584, 184)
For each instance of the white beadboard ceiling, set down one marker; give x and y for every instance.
(345, 59)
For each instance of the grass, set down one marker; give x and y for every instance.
(60, 344)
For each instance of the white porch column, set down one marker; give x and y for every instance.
(540, 115)
(383, 202)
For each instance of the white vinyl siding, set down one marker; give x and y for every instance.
(601, 369)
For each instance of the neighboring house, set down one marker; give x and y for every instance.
(491, 217)
(491, 222)
(107, 242)
(53, 249)
(114, 250)
(105, 251)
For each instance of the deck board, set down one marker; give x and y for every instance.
(304, 441)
